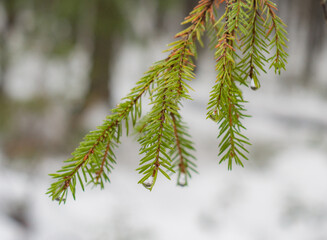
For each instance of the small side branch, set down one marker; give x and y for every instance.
(181, 164)
(104, 160)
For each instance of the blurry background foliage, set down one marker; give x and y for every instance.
(56, 30)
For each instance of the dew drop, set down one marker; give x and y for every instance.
(182, 180)
(254, 84)
(58, 199)
(148, 183)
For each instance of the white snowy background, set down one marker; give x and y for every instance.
(281, 193)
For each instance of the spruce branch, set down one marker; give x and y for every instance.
(226, 101)
(156, 141)
(181, 152)
(276, 28)
(94, 157)
(104, 163)
(254, 46)
(213, 26)
(171, 90)
(243, 35)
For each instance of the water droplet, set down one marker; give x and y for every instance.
(148, 183)
(254, 84)
(58, 199)
(182, 180)
(213, 115)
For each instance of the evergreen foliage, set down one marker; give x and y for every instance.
(243, 38)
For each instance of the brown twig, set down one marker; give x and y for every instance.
(104, 159)
(181, 164)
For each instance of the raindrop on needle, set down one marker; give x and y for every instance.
(254, 84)
(148, 183)
(182, 180)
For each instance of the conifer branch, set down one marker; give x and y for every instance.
(155, 142)
(87, 157)
(181, 161)
(213, 27)
(279, 39)
(104, 161)
(225, 104)
(171, 89)
(181, 152)
(165, 144)
(254, 45)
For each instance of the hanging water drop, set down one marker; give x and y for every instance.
(59, 199)
(182, 180)
(254, 84)
(148, 183)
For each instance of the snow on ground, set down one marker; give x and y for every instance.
(280, 194)
(287, 200)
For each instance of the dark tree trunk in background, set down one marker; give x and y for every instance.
(164, 6)
(188, 6)
(315, 38)
(109, 24)
(102, 53)
(3, 63)
(9, 7)
(306, 15)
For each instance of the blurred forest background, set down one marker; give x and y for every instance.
(41, 37)
(61, 65)
(36, 37)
